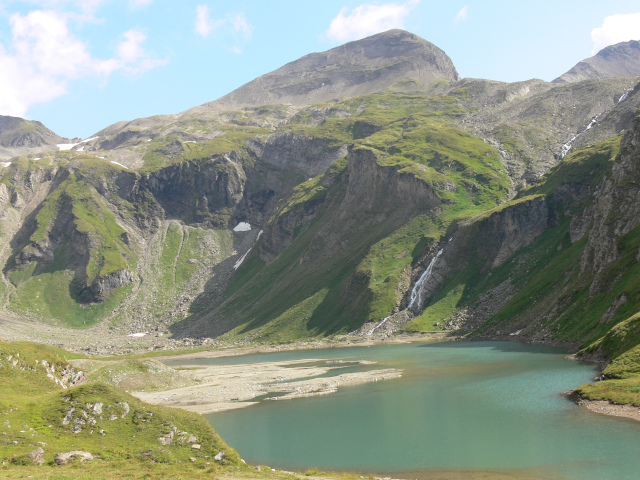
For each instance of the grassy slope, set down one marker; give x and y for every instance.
(622, 344)
(32, 416)
(49, 291)
(542, 273)
(345, 287)
(177, 257)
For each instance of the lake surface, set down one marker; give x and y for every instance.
(459, 407)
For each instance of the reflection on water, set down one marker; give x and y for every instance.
(460, 410)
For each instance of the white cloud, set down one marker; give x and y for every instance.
(234, 26)
(616, 29)
(140, 3)
(204, 23)
(44, 58)
(462, 14)
(132, 56)
(368, 19)
(88, 7)
(240, 25)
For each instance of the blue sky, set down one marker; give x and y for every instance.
(79, 66)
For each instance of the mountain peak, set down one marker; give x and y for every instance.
(355, 68)
(619, 60)
(20, 137)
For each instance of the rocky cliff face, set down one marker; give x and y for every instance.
(615, 213)
(203, 193)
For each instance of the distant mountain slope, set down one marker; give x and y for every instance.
(356, 68)
(19, 137)
(620, 60)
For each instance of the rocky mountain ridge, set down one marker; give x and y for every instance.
(619, 60)
(395, 57)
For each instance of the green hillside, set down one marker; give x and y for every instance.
(122, 433)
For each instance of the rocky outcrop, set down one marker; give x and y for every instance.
(310, 156)
(376, 188)
(64, 458)
(533, 124)
(37, 456)
(202, 192)
(97, 290)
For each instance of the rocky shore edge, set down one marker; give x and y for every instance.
(605, 407)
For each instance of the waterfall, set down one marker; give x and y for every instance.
(416, 293)
(567, 146)
(378, 325)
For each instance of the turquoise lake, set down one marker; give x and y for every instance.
(462, 408)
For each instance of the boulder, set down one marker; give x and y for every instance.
(37, 456)
(63, 458)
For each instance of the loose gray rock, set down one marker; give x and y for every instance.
(125, 405)
(219, 456)
(37, 456)
(63, 458)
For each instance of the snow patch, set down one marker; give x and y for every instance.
(239, 262)
(141, 334)
(81, 149)
(38, 158)
(515, 333)
(5, 164)
(189, 141)
(242, 227)
(119, 164)
(66, 146)
(624, 96)
(89, 139)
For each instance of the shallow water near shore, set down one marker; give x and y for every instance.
(460, 410)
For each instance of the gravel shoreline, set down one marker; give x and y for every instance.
(605, 407)
(226, 387)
